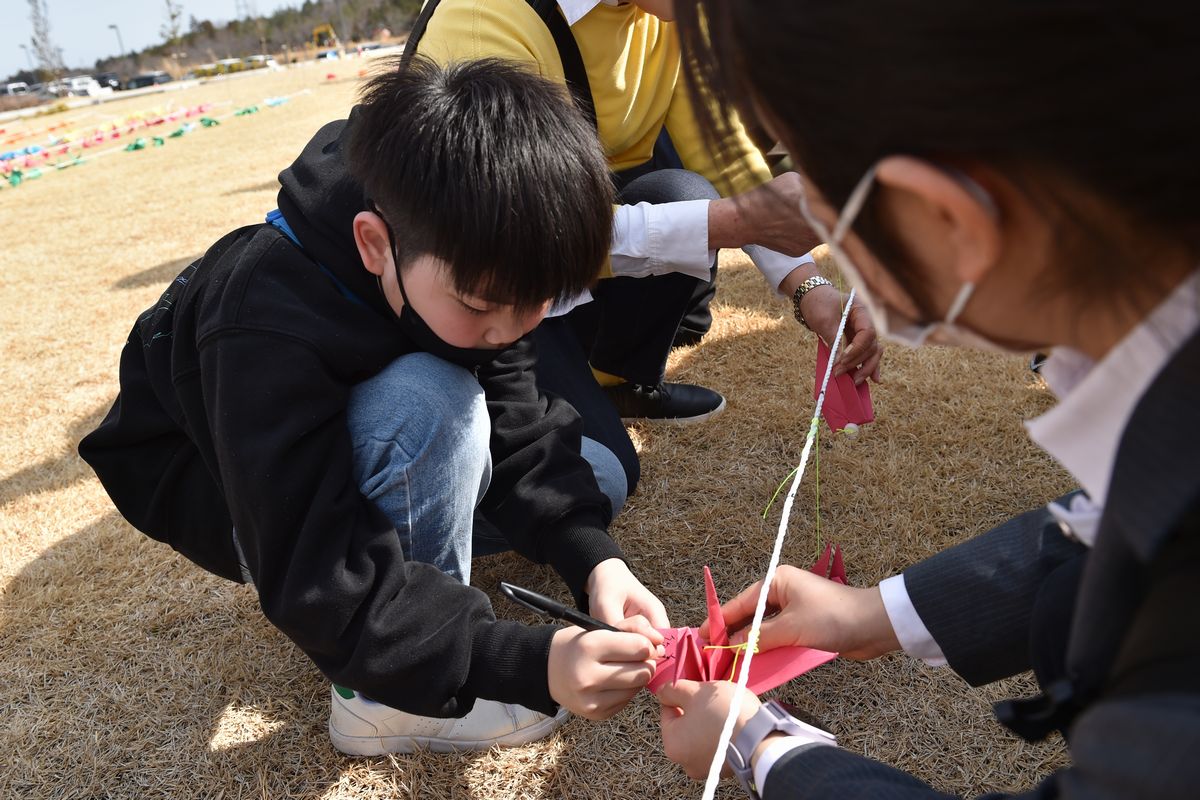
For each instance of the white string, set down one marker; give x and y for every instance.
(760, 610)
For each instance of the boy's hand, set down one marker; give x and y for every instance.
(615, 594)
(693, 715)
(595, 673)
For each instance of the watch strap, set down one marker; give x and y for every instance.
(803, 289)
(770, 717)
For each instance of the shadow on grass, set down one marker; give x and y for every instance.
(59, 471)
(258, 187)
(129, 673)
(159, 275)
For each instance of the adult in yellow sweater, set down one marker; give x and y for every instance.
(681, 202)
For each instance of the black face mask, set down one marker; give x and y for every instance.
(416, 329)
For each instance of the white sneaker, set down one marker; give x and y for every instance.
(362, 727)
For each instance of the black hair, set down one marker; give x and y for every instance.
(1058, 95)
(489, 168)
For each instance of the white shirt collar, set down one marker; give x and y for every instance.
(1096, 399)
(575, 10)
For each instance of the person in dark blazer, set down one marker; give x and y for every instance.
(986, 181)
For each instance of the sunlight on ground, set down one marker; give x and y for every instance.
(128, 673)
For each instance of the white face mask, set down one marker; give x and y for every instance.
(891, 324)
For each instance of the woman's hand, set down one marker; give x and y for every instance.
(814, 612)
(693, 715)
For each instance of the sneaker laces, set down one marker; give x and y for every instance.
(650, 389)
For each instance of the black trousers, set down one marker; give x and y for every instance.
(631, 324)
(562, 369)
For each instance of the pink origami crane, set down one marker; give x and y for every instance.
(835, 570)
(845, 403)
(692, 658)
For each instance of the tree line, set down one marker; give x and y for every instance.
(286, 32)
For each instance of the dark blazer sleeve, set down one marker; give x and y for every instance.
(977, 598)
(1132, 747)
(821, 771)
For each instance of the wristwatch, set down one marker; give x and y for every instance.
(770, 717)
(802, 290)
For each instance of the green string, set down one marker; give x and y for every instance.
(817, 480)
(737, 649)
(778, 489)
(817, 486)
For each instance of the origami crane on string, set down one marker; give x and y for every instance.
(845, 403)
(690, 657)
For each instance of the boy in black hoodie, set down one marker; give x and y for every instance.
(323, 403)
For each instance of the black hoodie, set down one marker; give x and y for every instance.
(232, 414)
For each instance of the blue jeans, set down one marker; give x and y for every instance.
(420, 431)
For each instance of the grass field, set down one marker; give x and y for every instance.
(125, 672)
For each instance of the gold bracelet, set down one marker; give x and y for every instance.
(804, 289)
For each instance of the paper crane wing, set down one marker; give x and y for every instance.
(717, 633)
(690, 657)
(845, 403)
(830, 565)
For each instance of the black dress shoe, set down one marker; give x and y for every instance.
(679, 403)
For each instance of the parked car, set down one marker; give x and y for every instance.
(328, 55)
(148, 79)
(52, 89)
(109, 79)
(261, 62)
(17, 87)
(81, 86)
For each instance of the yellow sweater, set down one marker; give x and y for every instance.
(633, 65)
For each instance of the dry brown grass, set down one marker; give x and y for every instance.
(126, 672)
(14, 102)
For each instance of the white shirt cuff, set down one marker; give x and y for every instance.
(775, 266)
(1081, 520)
(911, 632)
(558, 309)
(775, 750)
(659, 238)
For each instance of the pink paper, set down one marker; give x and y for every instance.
(716, 623)
(689, 656)
(835, 571)
(845, 403)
